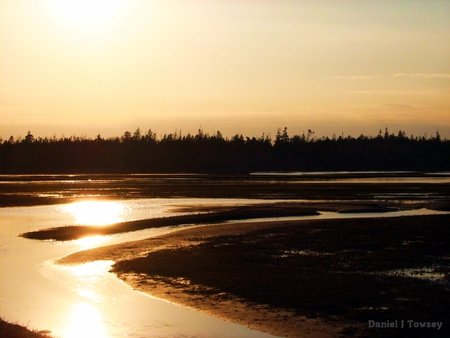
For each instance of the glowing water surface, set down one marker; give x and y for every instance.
(96, 212)
(86, 300)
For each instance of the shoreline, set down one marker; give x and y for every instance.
(260, 317)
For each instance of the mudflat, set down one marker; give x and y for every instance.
(216, 213)
(321, 278)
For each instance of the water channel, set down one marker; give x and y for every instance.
(87, 300)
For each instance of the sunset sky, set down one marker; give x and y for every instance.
(239, 66)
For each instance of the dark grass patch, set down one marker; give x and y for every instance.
(358, 269)
(9, 330)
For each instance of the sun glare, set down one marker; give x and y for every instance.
(91, 268)
(86, 13)
(87, 242)
(96, 212)
(85, 321)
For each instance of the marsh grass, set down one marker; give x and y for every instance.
(10, 330)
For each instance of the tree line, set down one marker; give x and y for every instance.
(140, 152)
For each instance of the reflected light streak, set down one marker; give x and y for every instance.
(91, 241)
(89, 294)
(91, 268)
(96, 212)
(86, 322)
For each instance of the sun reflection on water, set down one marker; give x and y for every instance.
(91, 241)
(96, 212)
(86, 322)
(85, 317)
(91, 268)
(89, 294)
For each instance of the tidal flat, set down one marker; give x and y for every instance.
(26, 190)
(319, 277)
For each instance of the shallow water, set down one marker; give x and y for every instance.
(87, 300)
(336, 215)
(371, 177)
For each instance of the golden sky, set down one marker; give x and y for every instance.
(239, 66)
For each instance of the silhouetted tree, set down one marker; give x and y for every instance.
(214, 153)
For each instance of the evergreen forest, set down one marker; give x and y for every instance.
(140, 152)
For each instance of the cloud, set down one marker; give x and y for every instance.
(394, 92)
(431, 76)
(423, 75)
(398, 74)
(357, 77)
(398, 105)
(417, 75)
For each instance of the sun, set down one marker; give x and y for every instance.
(86, 13)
